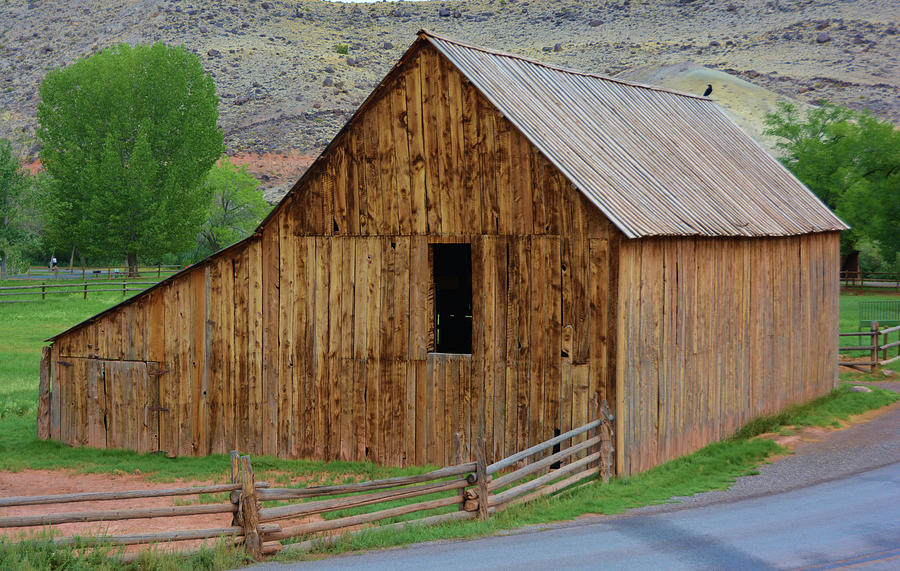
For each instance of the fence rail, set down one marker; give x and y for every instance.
(233, 532)
(96, 272)
(476, 489)
(877, 349)
(874, 279)
(31, 292)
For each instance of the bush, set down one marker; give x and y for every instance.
(342, 48)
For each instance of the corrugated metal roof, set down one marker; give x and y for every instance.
(654, 161)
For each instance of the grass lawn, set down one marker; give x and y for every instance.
(24, 326)
(850, 305)
(849, 322)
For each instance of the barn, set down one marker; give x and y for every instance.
(491, 245)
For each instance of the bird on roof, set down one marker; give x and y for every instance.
(708, 90)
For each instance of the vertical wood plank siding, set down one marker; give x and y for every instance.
(715, 332)
(313, 337)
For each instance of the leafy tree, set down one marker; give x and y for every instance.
(237, 207)
(13, 196)
(851, 160)
(128, 137)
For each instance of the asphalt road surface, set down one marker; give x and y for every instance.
(834, 504)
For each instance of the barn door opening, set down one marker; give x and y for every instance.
(132, 405)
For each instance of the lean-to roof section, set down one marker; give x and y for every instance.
(654, 161)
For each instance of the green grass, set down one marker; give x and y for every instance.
(714, 467)
(849, 320)
(24, 326)
(41, 554)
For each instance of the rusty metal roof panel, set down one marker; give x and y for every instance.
(656, 162)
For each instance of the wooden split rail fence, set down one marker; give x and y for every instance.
(13, 294)
(233, 532)
(95, 272)
(469, 489)
(873, 279)
(877, 350)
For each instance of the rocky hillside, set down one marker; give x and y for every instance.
(286, 85)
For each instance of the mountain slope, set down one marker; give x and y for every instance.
(285, 88)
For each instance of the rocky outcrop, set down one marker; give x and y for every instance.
(289, 74)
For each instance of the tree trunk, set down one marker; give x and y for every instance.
(131, 260)
(3, 266)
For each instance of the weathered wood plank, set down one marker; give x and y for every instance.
(284, 374)
(214, 356)
(321, 367)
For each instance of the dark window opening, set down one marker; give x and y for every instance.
(452, 274)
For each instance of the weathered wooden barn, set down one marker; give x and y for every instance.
(490, 245)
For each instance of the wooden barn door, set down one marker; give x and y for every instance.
(132, 405)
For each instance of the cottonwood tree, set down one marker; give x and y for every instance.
(13, 194)
(237, 207)
(851, 160)
(128, 136)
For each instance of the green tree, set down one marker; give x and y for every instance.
(13, 196)
(128, 136)
(851, 160)
(237, 207)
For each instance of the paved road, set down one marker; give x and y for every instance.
(834, 503)
(854, 520)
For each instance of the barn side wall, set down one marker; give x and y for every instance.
(715, 332)
(313, 338)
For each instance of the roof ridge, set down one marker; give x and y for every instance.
(430, 34)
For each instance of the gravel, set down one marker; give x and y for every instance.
(839, 454)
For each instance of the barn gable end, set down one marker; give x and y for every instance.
(315, 337)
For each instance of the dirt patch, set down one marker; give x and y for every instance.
(51, 482)
(276, 172)
(798, 434)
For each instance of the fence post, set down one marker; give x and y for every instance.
(482, 477)
(457, 459)
(158, 271)
(250, 510)
(43, 292)
(607, 439)
(874, 337)
(85, 290)
(123, 288)
(44, 396)
(235, 495)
